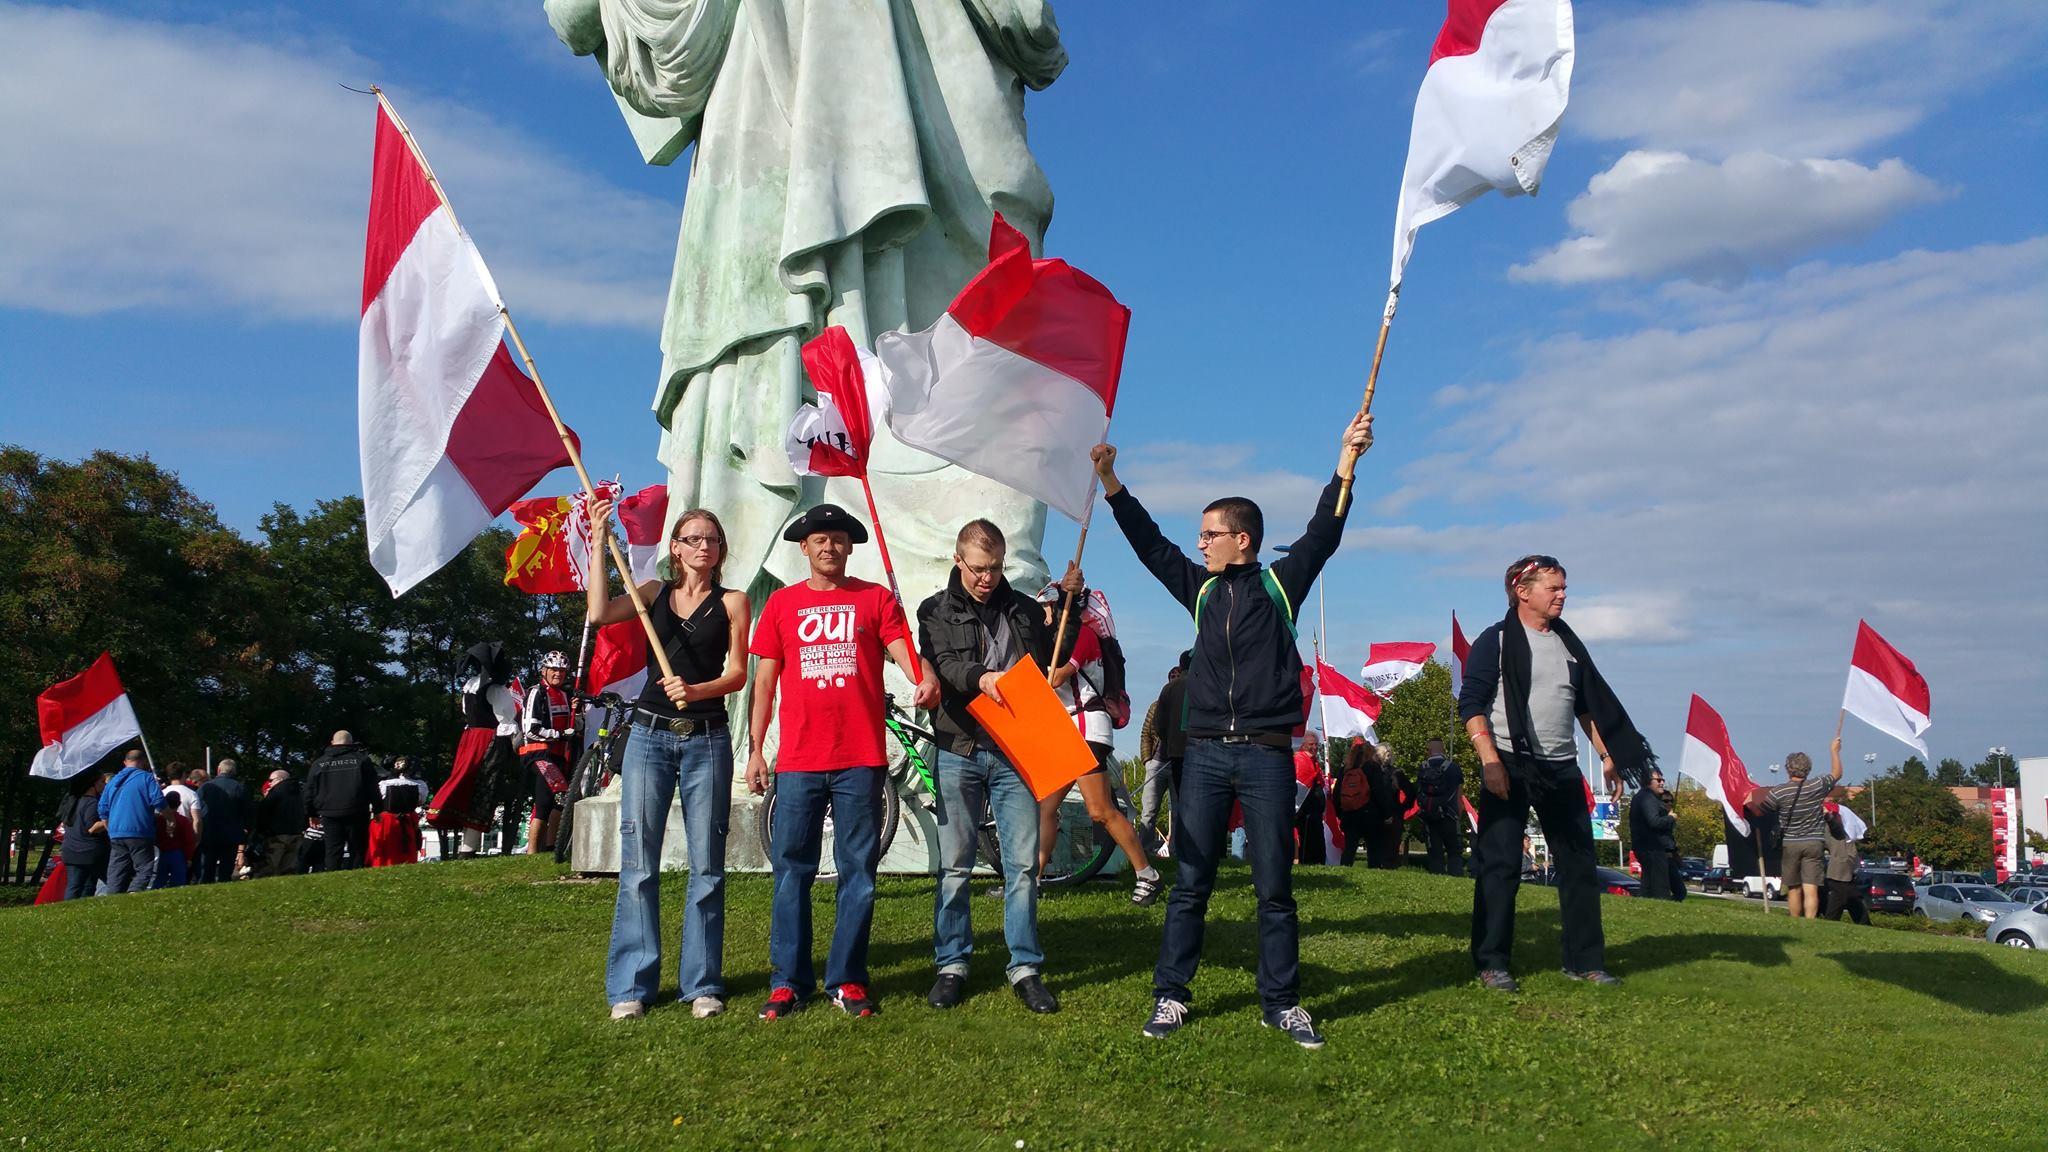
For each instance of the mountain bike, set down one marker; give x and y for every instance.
(601, 761)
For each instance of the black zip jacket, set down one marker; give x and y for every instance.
(1651, 826)
(1245, 678)
(951, 640)
(342, 782)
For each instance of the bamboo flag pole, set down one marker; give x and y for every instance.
(561, 430)
(1348, 465)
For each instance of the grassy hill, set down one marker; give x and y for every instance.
(461, 1006)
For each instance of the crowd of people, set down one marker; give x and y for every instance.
(1219, 744)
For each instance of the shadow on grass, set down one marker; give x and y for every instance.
(1963, 980)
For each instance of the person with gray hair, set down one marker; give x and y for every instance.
(223, 823)
(280, 825)
(1801, 805)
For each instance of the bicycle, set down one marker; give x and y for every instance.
(598, 764)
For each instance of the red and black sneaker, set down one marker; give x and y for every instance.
(853, 1000)
(781, 1002)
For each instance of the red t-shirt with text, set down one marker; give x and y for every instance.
(829, 695)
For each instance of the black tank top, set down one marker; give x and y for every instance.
(696, 650)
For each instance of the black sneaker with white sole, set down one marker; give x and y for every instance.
(1296, 1023)
(1167, 1017)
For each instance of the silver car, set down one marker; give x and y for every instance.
(2024, 928)
(1979, 902)
(2028, 894)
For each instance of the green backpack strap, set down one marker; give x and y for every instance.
(1274, 592)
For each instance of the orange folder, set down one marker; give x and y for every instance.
(1033, 730)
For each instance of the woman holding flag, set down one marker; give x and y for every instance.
(679, 741)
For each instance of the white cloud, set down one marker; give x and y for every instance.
(1659, 214)
(1799, 79)
(1181, 479)
(1639, 618)
(153, 165)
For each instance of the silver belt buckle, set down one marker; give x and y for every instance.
(682, 726)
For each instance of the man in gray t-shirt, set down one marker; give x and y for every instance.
(1801, 805)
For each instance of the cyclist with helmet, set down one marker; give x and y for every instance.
(548, 720)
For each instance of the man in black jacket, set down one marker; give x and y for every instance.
(339, 790)
(280, 825)
(1439, 785)
(1243, 702)
(1653, 831)
(970, 634)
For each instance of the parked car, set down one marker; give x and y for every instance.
(1888, 892)
(1693, 869)
(1767, 887)
(2023, 928)
(1718, 880)
(2024, 892)
(1933, 878)
(1979, 902)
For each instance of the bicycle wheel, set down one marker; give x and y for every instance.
(580, 785)
(828, 867)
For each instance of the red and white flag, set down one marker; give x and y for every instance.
(452, 431)
(834, 436)
(618, 659)
(1460, 648)
(1348, 710)
(643, 515)
(83, 719)
(1017, 381)
(1488, 111)
(1885, 691)
(1710, 758)
(1388, 666)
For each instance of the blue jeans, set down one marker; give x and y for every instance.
(1261, 779)
(854, 796)
(656, 765)
(967, 785)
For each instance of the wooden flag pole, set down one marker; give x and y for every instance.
(1348, 464)
(561, 430)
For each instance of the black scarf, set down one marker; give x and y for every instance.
(1633, 757)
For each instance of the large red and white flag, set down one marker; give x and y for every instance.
(452, 431)
(1710, 758)
(1017, 381)
(618, 659)
(1885, 691)
(834, 436)
(1348, 710)
(1460, 648)
(1388, 666)
(83, 719)
(643, 515)
(1488, 111)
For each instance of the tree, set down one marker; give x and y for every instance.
(1950, 773)
(1421, 709)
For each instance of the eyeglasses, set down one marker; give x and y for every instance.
(1206, 535)
(694, 541)
(982, 573)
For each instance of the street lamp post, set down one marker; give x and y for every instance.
(1870, 759)
(1998, 758)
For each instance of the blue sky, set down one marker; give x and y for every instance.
(1766, 355)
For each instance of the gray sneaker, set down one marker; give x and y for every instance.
(1296, 1023)
(1599, 976)
(1497, 980)
(628, 1010)
(1167, 1017)
(705, 1007)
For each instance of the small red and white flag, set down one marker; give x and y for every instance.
(1853, 826)
(1710, 758)
(1388, 666)
(1017, 380)
(1471, 813)
(1885, 691)
(618, 659)
(452, 431)
(643, 515)
(834, 436)
(1460, 648)
(1348, 710)
(1487, 113)
(83, 719)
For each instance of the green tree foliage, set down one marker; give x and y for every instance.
(1950, 773)
(1916, 816)
(258, 649)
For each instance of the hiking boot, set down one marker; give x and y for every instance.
(705, 1007)
(1146, 890)
(1599, 976)
(1167, 1017)
(628, 1010)
(1296, 1023)
(1497, 980)
(947, 991)
(1035, 995)
(853, 1000)
(781, 1002)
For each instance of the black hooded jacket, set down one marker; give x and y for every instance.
(342, 782)
(952, 639)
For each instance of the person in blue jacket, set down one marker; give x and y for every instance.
(129, 806)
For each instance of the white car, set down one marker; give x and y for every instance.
(2024, 928)
(1979, 902)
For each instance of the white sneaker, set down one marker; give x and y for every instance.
(628, 1010)
(705, 1007)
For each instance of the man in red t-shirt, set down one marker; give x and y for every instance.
(820, 646)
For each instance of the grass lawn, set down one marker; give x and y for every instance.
(461, 1005)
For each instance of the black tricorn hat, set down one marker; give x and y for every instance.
(826, 518)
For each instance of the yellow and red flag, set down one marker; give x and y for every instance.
(553, 545)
